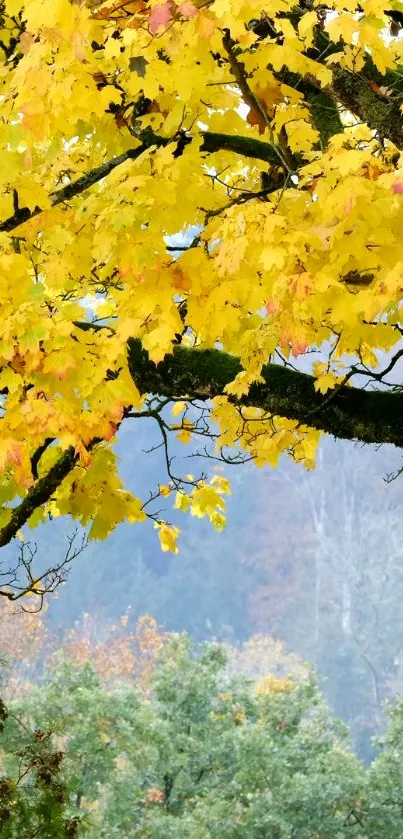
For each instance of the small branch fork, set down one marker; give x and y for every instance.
(154, 411)
(20, 578)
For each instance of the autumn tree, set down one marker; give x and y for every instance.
(34, 796)
(263, 656)
(23, 637)
(269, 136)
(118, 651)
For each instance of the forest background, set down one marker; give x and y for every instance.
(310, 564)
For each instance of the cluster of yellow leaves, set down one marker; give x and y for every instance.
(269, 274)
(262, 436)
(228, 707)
(95, 495)
(261, 655)
(272, 684)
(206, 500)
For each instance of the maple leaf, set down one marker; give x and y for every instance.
(325, 382)
(187, 9)
(182, 501)
(298, 347)
(161, 16)
(165, 490)
(168, 535)
(178, 408)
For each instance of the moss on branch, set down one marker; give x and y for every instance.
(325, 116)
(380, 114)
(349, 413)
(245, 146)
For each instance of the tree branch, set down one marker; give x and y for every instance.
(36, 497)
(22, 578)
(245, 146)
(380, 114)
(350, 413)
(70, 190)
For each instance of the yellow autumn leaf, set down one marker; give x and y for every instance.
(165, 490)
(178, 408)
(206, 501)
(168, 535)
(325, 382)
(222, 484)
(306, 25)
(182, 501)
(218, 521)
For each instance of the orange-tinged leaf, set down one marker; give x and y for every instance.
(256, 118)
(204, 25)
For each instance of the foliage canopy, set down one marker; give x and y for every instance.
(205, 756)
(268, 136)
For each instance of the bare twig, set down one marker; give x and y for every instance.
(21, 579)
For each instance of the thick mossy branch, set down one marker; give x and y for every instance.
(380, 114)
(245, 146)
(197, 373)
(325, 116)
(347, 413)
